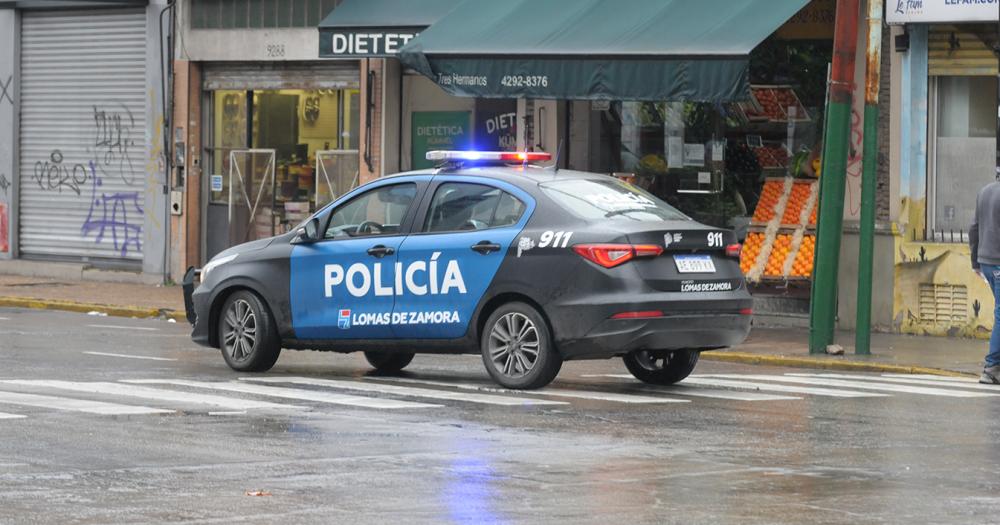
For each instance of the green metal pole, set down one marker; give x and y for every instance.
(866, 239)
(823, 303)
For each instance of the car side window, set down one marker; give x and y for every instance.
(461, 206)
(375, 212)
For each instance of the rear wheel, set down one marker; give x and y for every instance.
(517, 347)
(661, 367)
(247, 335)
(388, 362)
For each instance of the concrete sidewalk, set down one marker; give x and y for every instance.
(772, 346)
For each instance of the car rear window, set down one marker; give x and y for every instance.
(609, 199)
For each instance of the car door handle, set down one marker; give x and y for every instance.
(380, 251)
(485, 247)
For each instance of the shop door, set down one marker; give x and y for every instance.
(83, 136)
(337, 174)
(251, 195)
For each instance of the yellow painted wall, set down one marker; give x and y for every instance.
(919, 262)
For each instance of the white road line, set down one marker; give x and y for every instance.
(911, 381)
(556, 392)
(697, 391)
(76, 405)
(290, 393)
(107, 354)
(930, 377)
(5, 415)
(408, 391)
(4, 318)
(229, 413)
(119, 327)
(156, 394)
(819, 381)
(770, 387)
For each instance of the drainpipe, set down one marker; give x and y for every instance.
(866, 239)
(823, 303)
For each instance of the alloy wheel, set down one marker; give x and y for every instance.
(514, 344)
(240, 332)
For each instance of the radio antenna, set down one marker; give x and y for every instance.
(555, 166)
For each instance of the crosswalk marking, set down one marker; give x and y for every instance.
(820, 381)
(5, 415)
(118, 327)
(772, 387)
(929, 377)
(698, 391)
(556, 392)
(76, 405)
(156, 394)
(106, 354)
(407, 391)
(911, 381)
(289, 393)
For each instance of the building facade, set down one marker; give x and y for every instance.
(944, 107)
(82, 166)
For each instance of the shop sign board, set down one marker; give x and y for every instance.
(496, 125)
(364, 42)
(438, 130)
(929, 11)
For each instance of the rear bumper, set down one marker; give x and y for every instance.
(695, 330)
(583, 326)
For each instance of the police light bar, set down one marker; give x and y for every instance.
(494, 156)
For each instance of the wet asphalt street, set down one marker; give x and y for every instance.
(108, 420)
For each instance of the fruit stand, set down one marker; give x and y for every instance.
(782, 238)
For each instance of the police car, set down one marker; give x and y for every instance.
(528, 266)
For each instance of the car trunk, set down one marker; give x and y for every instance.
(694, 257)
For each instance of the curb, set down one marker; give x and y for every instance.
(826, 363)
(72, 306)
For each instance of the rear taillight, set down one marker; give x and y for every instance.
(644, 314)
(611, 255)
(733, 250)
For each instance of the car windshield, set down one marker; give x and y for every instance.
(609, 199)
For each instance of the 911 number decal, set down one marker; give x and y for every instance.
(554, 239)
(715, 240)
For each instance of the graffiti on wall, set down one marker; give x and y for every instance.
(117, 216)
(55, 174)
(4, 184)
(113, 140)
(6, 94)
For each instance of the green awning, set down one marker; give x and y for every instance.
(694, 50)
(377, 28)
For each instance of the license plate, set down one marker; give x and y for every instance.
(694, 263)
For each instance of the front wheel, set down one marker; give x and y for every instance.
(517, 348)
(661, 367)
(247, 335)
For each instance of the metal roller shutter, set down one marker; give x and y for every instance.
(962, 50)
(83, 143)
(281, 75)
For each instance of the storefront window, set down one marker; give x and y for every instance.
(964, 149)
(301, 143)
(711, 161)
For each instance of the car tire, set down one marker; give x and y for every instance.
(388, 362)
(248, 337)
(661, 367)
(508, 355)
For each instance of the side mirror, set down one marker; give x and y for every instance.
(309, 232)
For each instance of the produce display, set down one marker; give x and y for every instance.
(780, 245)
(803, 265)
(772, 156)
(797, 200)
(751, 249)
(773, 103)
(769, 197)
(779, 252)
